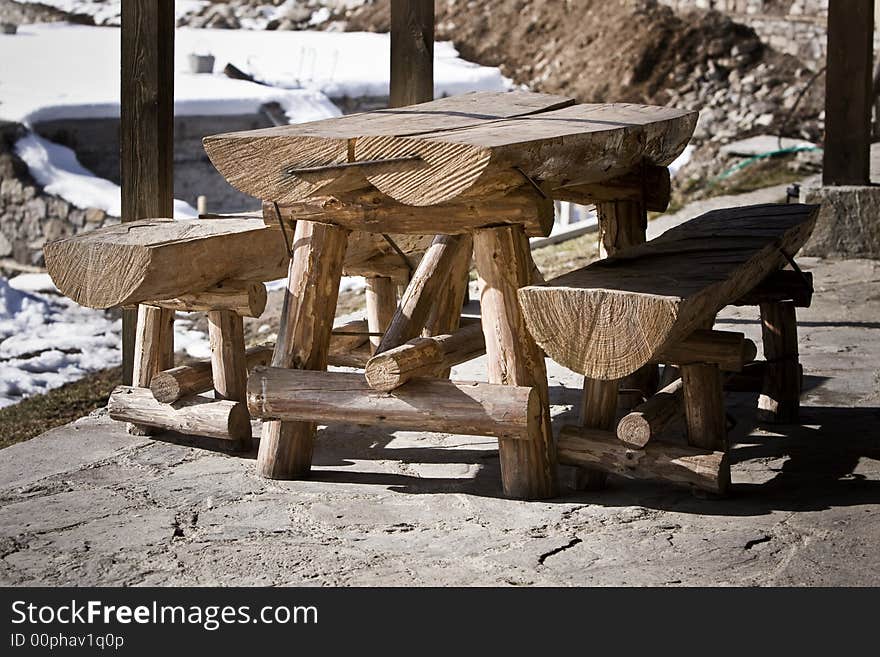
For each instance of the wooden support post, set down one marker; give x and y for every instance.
(146, 131)
(466, 407)
(598, 411)
(153, 351)
(704, 406)
(381, 297)
(848, 93)
(412, 52)
(228, 364)
(698, 468)
(303, 339)
(429, 279)
(504, 263)
(647, 420)
(446, 316)
(781, 391)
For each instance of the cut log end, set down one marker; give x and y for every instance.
(448, 171)
(564, 323)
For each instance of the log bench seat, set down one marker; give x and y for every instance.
(656, 303)
(216, 265)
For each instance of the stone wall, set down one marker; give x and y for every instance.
(96, 143)
(794, 27)
(28, 216)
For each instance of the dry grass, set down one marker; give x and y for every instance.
(38, 414)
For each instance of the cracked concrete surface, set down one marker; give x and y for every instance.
(88, 504)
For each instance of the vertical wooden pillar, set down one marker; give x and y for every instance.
(381, 299)
(622, 224)
(598, 411)
(303, 339)
(228, 364)
(146, 133)
(153, 351)
(781, 391)
(504, 263)
(848, 92)
(704, 406)
(446, 315)
(412, 52)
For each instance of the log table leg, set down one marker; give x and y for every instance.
(598, 411)
(781, 391)
(446, 316)
(153, 351)
(528, 468)
(381, 297)
(303, 339)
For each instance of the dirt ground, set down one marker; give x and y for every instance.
(89, 504)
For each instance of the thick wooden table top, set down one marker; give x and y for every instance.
(469, 146)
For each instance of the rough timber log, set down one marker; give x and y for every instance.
(472, 145)
(611, 317)
(728, 350)
(197, 416)
(381, 300)
(256, 161)
(689, 466)
(556, 147)
(247, 299)
(781, 391)
(650, 185)
(504, 264)
(163, 259)
(187, 380)
(303, 339)
(422, 357)
(153, 351)
(373, 211)
(646, 420)
(429, 279)
(472, 408)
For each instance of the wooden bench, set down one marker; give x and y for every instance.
(218, 266)
(656, 303)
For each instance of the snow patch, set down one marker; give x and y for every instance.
(57, 169)
(77, 69)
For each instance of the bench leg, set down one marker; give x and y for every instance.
(598, 411)
(153, 351)
(303, 339)
(381, 297)
(528, 467)
(623, 225)
(779, 400)
(704, 406)
(228, 360)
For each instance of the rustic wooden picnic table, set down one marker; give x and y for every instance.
(479, 172)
